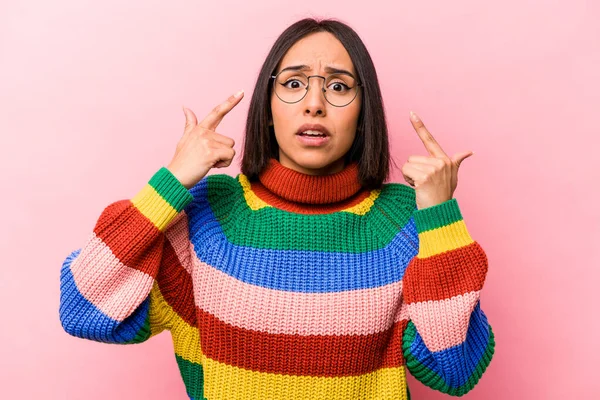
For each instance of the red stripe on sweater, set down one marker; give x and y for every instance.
(134, 240)
(445, 275)
(313, 355)
(278, 202)
(137, 243)
(176, 286)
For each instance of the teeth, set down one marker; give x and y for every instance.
(313, 133)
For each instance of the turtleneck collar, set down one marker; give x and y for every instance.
(298, 187)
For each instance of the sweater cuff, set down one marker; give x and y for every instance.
(163, 198)
(437, 216)
(441, 228)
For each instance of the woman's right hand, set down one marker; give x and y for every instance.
(201, 148)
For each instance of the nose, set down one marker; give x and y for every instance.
(314, 101)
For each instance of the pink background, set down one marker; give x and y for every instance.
(90, 108)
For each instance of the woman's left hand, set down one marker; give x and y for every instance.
(434, 178)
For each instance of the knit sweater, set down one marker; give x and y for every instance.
(288, 287)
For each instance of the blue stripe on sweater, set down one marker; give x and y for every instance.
(297, 270)
(79, 317)
(461, 360)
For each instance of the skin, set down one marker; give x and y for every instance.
(434, 177)
(318, 51)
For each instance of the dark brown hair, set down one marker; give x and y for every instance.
(370, 148)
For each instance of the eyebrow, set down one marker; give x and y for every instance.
(328, 69)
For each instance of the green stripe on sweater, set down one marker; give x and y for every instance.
(193, 377)
(284, 230)
(437, 216)
(169, 187)
(435, 381)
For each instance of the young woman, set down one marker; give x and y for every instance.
(305, 276)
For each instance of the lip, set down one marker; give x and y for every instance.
(316, 141)
(313, 127)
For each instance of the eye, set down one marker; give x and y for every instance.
(338, 87)
(293, 84)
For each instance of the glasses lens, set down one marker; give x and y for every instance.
(340, 89)
(290, 86)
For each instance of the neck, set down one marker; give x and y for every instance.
(330, 169)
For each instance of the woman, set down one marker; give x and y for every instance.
(305, 276)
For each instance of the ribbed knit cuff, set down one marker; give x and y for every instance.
(162, 199)
(441, 228)
(171, 189)
(437, 216)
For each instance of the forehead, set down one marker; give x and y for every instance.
(318, 50)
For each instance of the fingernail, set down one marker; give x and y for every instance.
(238, 94)
(414, 116)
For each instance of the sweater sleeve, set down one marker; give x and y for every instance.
(123, 284)
(448, 342)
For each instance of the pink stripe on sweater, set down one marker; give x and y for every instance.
(402, 312)
(177, 234)
(106, 282)
(357, 312)
(443, 323)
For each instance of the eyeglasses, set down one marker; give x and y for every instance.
(339, 89)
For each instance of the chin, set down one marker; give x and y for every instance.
(315, 162)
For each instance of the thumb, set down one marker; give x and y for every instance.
(459, 158)
(190, 119)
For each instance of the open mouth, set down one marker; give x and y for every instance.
(312, 134)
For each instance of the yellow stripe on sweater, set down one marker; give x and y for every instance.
(255, 203)
(364, 206)
(186, 338)
(222, 381)
(445, 238)
(161, 314)
(154, 207)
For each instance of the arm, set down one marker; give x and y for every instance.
(448, 342)
(127, 281)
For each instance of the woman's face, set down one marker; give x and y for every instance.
(310, 155)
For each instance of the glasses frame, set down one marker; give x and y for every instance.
(274, 77)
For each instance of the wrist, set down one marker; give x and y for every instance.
(179, 176)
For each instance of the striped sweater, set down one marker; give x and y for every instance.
(287, 287)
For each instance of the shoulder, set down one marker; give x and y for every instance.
(393, 204)
(218, 191)
(391, 215)
(393, 207)
(214, 185)
(398, 194)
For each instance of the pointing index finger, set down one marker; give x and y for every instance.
(426, 137)
(215, 117)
